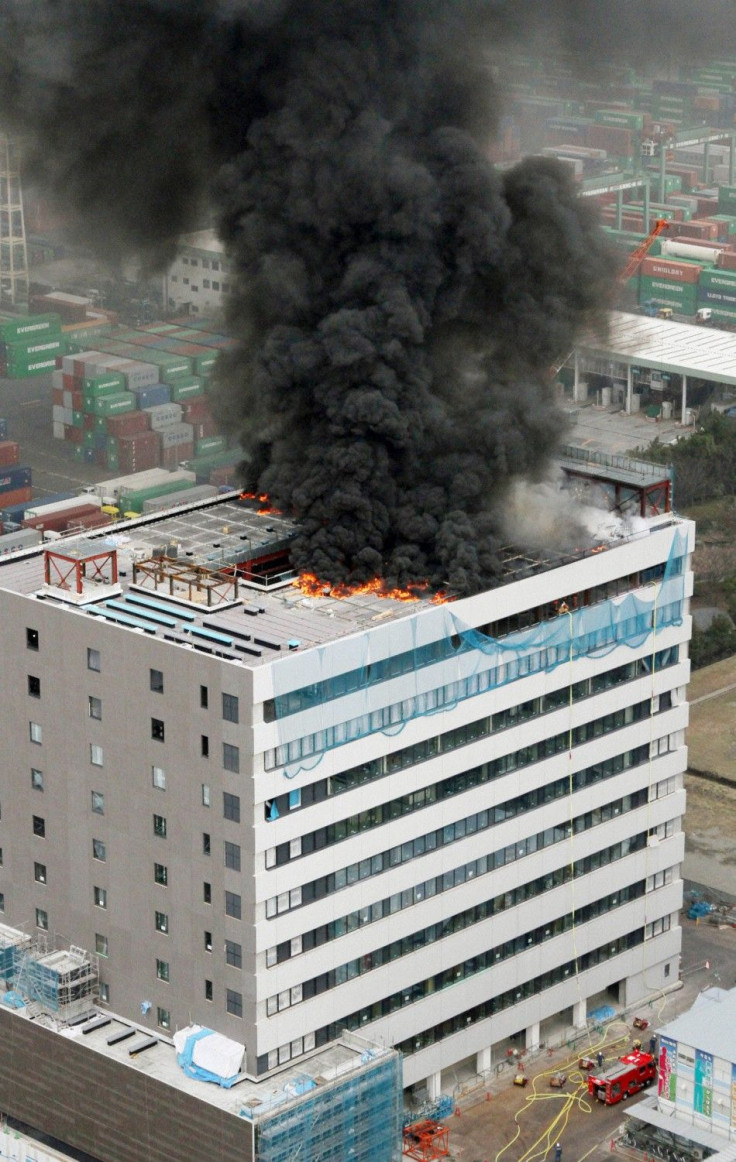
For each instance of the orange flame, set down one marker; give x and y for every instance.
(266, 509)
(311, 586)
(599, 549)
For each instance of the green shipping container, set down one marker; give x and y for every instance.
(43, 346)
(682, 297)
(25, 328)
(112, 461)
(209, 444)
(77, 419)
(78, 453)
(29, 371)
(134, 501)
(110, 405)
(186, 389)
(111, 384)
(112, 447)
(719, 280)
(727, 200)
(619, 117)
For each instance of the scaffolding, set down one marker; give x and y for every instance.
(426, 1141)
(196, 584)
(13, 946)
(62, 983)
(13, 249)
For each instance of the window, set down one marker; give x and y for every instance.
(163, 1018)
(234, 1003)
(39, 826)
(162, 970)
(230, 708)
(233, 954)
(215, 265)
(36, 733)
(104, 993)
(205, 746)
(208, 941)
(206, 283)
(36, 779)
(159, 826)
(162, 922)
(295, 799)
(232, 856)
(160, 874)
(157, 730)
(98, 802)
(231, 807)
(96, 755)
(31, 639)
(206, 844)
(39, 873)
(208, 993)
(2, 901)
(42, 919)
(231, 757)
(207, 893)
(195, 288)
(215, 285)
(233, 906)
(157, 681)
(100, 897)
(205, 795)
(93, 660)
(34, 686)
(101, 945)
(99, 850)
(95, 707)
(204, 697)
(158, 776)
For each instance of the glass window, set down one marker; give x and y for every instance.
(101, 945)
(162, 970)
(98, 802)
(234, 1003)
(233, 954)
(205, 746)
(95, 707)
(204, 697)
(39, 873)
(232, 856)
(208, 941)
(231, 757)
(34, 686)
(99, 850)
(93, 660)
(159, 826)
(206, 797)
(39, 826)
(233, 905)
(157, 730)
(42, 919)
(230, 707)
(162, 922)
(31, 639)
(207, 893)
(160, 874)
(96, 756)
(36, 779)
(163, 1018)
(157, 681)
(158, 776)
(36, 732)
(231, 807)
(104, 993)
(206, 844)
(208, 990)
(100, 897)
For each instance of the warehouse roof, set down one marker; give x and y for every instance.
(660, 344)
(710, 1024)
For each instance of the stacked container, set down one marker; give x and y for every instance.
(670, 283)
(30, 345)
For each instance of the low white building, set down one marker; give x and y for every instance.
(198, 278)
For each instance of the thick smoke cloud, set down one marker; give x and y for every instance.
(398, 301)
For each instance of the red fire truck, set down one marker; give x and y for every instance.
(630, 1074)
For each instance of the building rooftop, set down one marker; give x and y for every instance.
(203, 240)
(660, 344)
(710, 1024)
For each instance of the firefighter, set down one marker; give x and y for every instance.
(558, 1153)
(599, 1058)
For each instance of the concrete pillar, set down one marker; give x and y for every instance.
(533, 1036)
(684, 399)
(619, 208)
(580, 1014)
(434, 1085)
(629, 388)
(483, 1060)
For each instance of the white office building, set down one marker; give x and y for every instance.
(446, 825)
(199, 277)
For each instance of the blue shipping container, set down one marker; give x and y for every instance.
(151, 397)
(52, 499)
(12, 478)
(15, 514)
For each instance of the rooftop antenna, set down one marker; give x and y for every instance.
(13, 248)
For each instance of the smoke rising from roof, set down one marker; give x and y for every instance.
(398, 301)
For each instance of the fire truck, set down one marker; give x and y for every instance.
(630, 1074)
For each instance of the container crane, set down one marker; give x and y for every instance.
(631, 267)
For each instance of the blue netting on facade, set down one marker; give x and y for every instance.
(472, 663)
(358, 1118)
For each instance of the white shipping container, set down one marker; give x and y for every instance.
(674, 249)
(57, 428)
(57, 414)
(68, 505)
(174, 499)
(66, 399)
(139, 480)
(139, 375)
(177, 434)
(57, 378)
(163, 415)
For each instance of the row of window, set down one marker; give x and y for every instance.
(480, 821)
(230, 753)
(406, 945)
(446, 881)
(431, 1036)
(450, 695)
(429, 748)
(206, 263)
(421, 656)
(457, 784)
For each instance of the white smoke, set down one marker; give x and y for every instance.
(564, 514)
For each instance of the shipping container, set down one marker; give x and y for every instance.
(17, 540)
(663, 268)
(151, 397)
(176, 435)
(174, 456)
(110, 405)
(182, 496)
(58, 520)
(128, 424)
(29, 327)
(130, 483)
(682, 297)
(209, 445)
(164, 415)
(9, 453)
(14, 477)
(186, 389)
(15, 498)
(106, 383)
(49, 507)
(134, 501)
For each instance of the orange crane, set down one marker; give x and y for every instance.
(633, 264)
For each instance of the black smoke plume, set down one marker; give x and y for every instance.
(398, 301)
